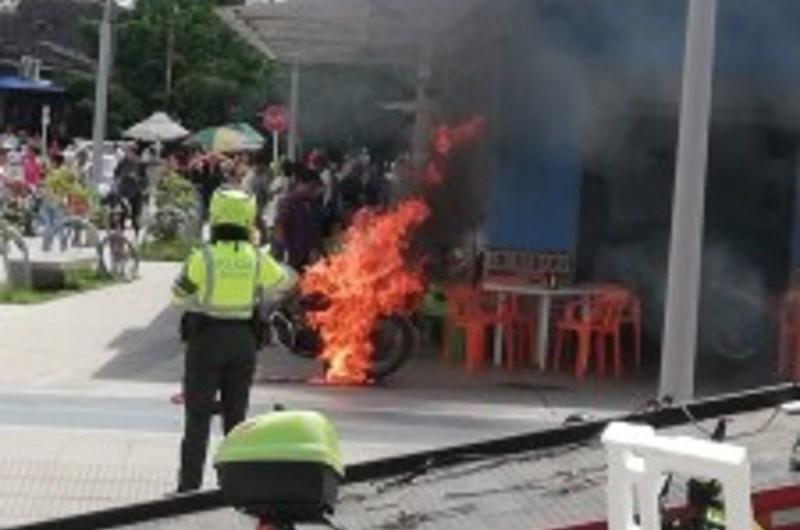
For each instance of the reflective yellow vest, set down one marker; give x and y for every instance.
(226, 280)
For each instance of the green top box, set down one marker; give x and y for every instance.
(286, 436)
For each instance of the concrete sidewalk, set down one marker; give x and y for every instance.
(64, 341)
(85, 420)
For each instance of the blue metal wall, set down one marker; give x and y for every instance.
(535, 200)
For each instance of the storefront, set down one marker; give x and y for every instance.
(23, 100)
(582, 107)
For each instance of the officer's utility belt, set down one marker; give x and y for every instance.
(193, 323)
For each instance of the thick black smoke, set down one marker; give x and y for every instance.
(609, 72)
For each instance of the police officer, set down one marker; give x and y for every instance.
(222, 286)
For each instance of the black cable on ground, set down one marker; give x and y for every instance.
(738, 436)
(666, 416)
(413, 465)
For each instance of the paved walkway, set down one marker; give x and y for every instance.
(85, 420)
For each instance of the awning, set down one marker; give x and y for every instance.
(21, 84)
(345, 31)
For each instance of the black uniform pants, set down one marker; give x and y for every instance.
(220, 358)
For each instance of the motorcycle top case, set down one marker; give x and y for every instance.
(285, 465)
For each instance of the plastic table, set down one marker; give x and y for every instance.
(545, 296)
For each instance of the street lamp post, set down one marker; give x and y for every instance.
(679, 352)
(101, 92)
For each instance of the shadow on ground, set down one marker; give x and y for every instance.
(150, 354)
(427, 376)
(155, 354)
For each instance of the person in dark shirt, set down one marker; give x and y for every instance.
(206, 174)
(375, 188)
(130, 184)
(351, 189)
(299, 222)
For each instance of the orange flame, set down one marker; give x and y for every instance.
(369, 279)
(445, 139)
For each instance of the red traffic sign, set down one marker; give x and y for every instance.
(273, 118)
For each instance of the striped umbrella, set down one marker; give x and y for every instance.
(254, 138)
(225, 139)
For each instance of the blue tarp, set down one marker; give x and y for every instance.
(20, 84)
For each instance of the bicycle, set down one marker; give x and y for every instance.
(117, 255)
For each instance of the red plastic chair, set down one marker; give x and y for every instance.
(631, 315)
(789, 348)
(603, 322)
(474, 311)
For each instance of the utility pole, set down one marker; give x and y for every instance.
(679, 351)
(101, 92)
(294, 111)
(168, 76)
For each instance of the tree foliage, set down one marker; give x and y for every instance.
(216, 77)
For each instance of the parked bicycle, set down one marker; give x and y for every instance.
(117, 255)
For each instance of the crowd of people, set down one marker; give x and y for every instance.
(301, 205)
(35, 182)
(39, 187)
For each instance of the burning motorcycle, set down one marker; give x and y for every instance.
(394, 338)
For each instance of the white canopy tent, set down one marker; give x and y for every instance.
(349, 32)
(345, 31)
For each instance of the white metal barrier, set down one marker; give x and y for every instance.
(638, 460)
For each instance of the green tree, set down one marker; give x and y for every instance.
(216, 77)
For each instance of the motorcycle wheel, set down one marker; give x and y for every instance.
(297, 340)
(394, 341)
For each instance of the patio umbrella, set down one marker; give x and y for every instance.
(254, 138)
(157, 128)
(224, 140)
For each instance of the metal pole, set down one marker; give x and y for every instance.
(101, 93)
(45, 128)
(679, 351)
(168, 75)
(294, 102)
(275, 147)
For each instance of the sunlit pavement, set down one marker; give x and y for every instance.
(85, 417)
